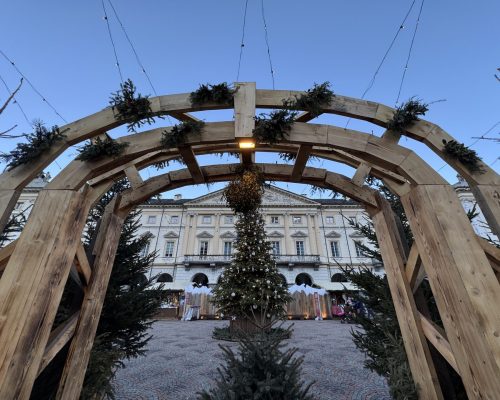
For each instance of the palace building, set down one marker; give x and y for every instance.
(311, 238)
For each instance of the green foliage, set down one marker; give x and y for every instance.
(38, 143)
(135, 109)
(287, 157)
(406, 114)
(220, 94)
(462, 153)
(315, 99)
(262, 370)
(177, 135)
(163, 164)
(274, 127)
(99, 147)
(14, 225)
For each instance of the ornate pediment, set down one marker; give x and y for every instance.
(273, 196)
(228, 235)
(333, 234)
(356, 235)
(298, 234)
(204, 235)
(170, 235)
(275, 234)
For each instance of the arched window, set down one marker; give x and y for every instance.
(283, 279)
(339, 277)
(165, 278)
(200, 279)
(302, 279)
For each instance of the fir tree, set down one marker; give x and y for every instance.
(261, 371)
(251, 286)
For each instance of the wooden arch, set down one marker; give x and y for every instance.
(446, 249)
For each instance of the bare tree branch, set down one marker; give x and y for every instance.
(11, 96)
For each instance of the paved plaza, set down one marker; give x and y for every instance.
(182, 359)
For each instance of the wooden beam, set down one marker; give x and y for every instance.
(301, 161)
(32, 285)
(492, 252)
(5, 253)
(79, 352)
(462, 282)
(414, 270)
(133, 176)
(189, 158)
(58, 339)
(8, 200)
(304, 116)
(184, 116)
(393, 255)
(391, 136)
(82, 263)
(437, 337)
(247, 157)
(244, 109)
(361, 174)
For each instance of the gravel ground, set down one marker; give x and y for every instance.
(182, 359)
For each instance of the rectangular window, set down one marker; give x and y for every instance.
(203, 248)
(359, 249)
(228, 248)
(145, 250)
(275, 246)
(296, 219)
(207, 219)
(174, 219)
(228, 219)
(152, 219)
(299, 246)
(330, 220)
(19, 204)
(334, 245)
(275, 220)
(169, 249)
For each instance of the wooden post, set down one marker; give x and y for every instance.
(488, 198)
(79, 352)
(32, 285)
(393, 255)
(8, 199)
(466, 290)
(244, 109)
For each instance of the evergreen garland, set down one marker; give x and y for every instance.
(406, 114)
(177, 135)
(39, 142)
(136, 109)
(99, 147)
(287, 156)
(219, 94)
(315, 99)
(263, 370)
(462, 153)
(273, 127)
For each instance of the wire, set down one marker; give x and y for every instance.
(133, 48)
(267, 41)
(242, 40)
(32, 86)
(112, 41)
(410, 50)
(386, 54)
(15, 100)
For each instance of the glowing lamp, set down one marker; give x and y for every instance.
(247, 144)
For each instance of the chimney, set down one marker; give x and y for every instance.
(177, 196)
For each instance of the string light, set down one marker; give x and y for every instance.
(242, 40)
(15, 100)
(32, 86)
(117, 63)
(267, 41)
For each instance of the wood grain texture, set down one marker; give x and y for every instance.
(463, 283)
(32, 285)
(417, 350)
(244, 109)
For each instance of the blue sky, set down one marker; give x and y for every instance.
(64, 49)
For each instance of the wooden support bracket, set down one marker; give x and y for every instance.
(82, 263)
(301, 161)
(304, 116)
(189, 158)
(414, 271)
(361, 174)
(133, 176)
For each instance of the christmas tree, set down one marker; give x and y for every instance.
(251, 287)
